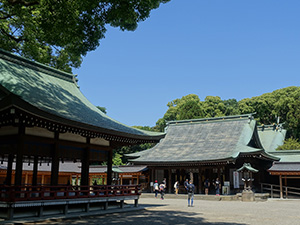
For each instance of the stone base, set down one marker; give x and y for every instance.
(248, 196)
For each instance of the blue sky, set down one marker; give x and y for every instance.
(231, 49)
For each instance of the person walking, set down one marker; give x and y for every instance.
(155, 188)
(190, 190)
(162, 187)
(176, 187)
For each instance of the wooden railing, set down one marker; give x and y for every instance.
(33, 193)
(274, 190)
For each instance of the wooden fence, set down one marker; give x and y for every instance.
(274, 190)
(34, 193)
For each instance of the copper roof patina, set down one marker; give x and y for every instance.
(205, 140)
(55, 95)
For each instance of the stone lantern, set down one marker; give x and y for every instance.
(247, 170)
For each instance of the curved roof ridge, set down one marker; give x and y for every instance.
(215, 119)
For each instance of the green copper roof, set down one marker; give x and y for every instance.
(270, 138)
(57, 93)
(204, 140)
(247, 167)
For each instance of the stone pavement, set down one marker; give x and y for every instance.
(174, 210)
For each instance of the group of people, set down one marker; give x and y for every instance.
(160, 188)
(189, 187)
(216, 184)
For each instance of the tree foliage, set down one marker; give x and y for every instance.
(282, 104)
(191, 107)
(102, 109)
(290, 144)
(59, 33)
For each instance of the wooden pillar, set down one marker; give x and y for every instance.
(109, 167)
(9, 169)
(152, 178)
(19, 159)
(200, 182)
(85, 162)
(35, 171)
(55, 161)
(285, 184)
(170, 180)
(280, 183)
(43, 180)
(26, 178)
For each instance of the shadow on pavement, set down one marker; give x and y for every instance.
(144, 217)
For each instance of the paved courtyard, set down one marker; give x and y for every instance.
(175, 211)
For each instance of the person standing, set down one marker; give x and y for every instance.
(190, 190)
(185, 184)
(217, 186)
(155, 188)
(206, 186)
(176, 187)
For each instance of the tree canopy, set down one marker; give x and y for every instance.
(59, 33)
(290, 144)
(282, 104)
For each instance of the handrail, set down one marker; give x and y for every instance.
(31, 193)
(275, 188)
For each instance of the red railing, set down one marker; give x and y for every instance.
(32, 193)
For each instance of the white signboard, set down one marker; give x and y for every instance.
(236, 179)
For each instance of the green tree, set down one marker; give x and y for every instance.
(290, 144)
(231, 107)
(117, 160)
(190, 107)
(59, 33)
(213, 106)
(102, 109)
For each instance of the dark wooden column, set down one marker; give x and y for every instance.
(9, 169)
(55, 161)
(85, 164)
(200, 182)
(109, 167)
(169, 180)
(280, 186)
(19, 159)
(35, 170)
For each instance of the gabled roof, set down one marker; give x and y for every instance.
(285, 168)
(205, 140)
(247, 167)
(53, 94)
(271, 138)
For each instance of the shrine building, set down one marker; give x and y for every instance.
(211, 148)
(45, 119)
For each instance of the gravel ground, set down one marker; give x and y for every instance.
(175, 211)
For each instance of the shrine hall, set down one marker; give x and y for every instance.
(45, 119)
(211, 148)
